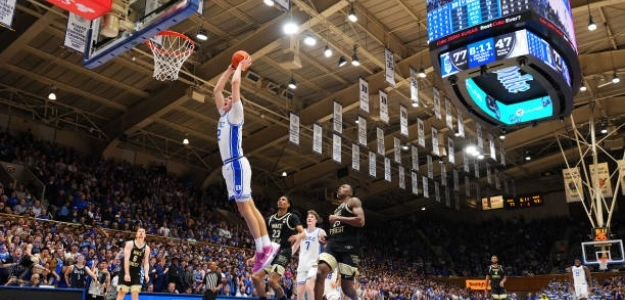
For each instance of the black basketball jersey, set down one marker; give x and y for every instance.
(343, 236)
(137, 256)
(281, 228)
(78, 277)
(496, 274)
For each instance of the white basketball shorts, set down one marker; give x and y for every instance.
(303, 275)
(238, 176)
(581, 291)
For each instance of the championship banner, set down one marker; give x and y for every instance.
(317, 138)
(465, 161)
(362, 131)
(435, 147)
(75, 31)
(497, 181)
(467, 186)
(488, 178)
(402, 177)
(621, 175)
(414, 155)
(414, 88)
(380, 138)
(443, 175)
(294, 128)
(493, 151)
(338, 118)
(426, 188)
(403, 120)
(336, 147)
(384, 107)
(389, 72)
(430, 167)
(421, 132)
(372, 164)
(355, 157)
(447, 198)
(480, 140)
(476, 165)
(451, 153)
(460, 119)
(364, 95)
(437, 103)
(456, 180)
(387, 169)
(602, 179)
(415, 183)
(449, 118)
(437, 191)
(397, 149)
(7, 10)
(502, 154)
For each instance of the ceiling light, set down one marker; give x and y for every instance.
(591, 24)
(405, 147)
(355, 61)
(327, 51)
(268, 2)
(356, 121)
(422, 73)
(415, 104)
(284, 174)
(604, 130)
(185, 141)
(423, 208)
(471, 149)
(583, 87)
(310, 40)
(52, 95)
(502, 136)
(480, 156)
(352, 14)
(292, 83)
(201, 34)
(290, 27)
(528, 157)
(615, 78)
(342, 61)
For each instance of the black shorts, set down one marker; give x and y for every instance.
(346, 261)
(135, 278)
(280, 262)
(498, 292)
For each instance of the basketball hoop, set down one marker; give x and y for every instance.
(171, 49)
(603, 264)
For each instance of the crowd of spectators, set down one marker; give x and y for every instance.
(93, 205)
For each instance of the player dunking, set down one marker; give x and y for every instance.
(342, 252)
(581, 280)
(236, 170)
(496, 277)
(286, 229)
(309, 249)
(136, 253)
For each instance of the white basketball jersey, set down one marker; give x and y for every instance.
(579, 276)
(309, 249)
(332, 279)
(230, 132)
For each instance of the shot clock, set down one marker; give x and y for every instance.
(507, 61)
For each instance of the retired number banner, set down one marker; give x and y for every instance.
(364, 95)
(294, 128)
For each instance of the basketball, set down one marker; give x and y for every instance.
(238, 56)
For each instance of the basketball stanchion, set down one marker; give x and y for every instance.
(170, 49)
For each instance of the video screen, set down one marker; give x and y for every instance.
(558, 12)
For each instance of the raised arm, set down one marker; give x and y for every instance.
(218, 91)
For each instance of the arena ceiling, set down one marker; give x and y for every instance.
(121, 104)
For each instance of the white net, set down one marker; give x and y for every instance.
(603, 264)
(171, 50)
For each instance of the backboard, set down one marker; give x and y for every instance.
(608, 251)
(131, 22)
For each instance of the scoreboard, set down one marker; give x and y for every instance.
(526, 201)
(508, 61)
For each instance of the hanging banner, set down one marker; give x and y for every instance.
(621, 170)
(7, 10)
(465, 161)
(447, 198)
(294, 128)
(421, 132)
(380, 139)
(336, 147)
(435, 147)
(502, 154)
(397, 149)
(437, 191)
(415, 183)
(355, 157)
(430, 167)
(449, 118)
(414, 155)
(443, 174)
(467, 186)
(497, 181)
(372, 164)
(451, 153)
(362, 131)
(476, 165)
(480, 140)
(338, 118)
(389, 73)
(493, 151)
(317, 138)
(601, 179)
(387, 169)
(437, 103)
(488, 178)
(403, 120)
(414, 88)
(456, 180)
(75, 31)
(460, 119)
(478, 193)
(426, 188)
(402, 177)
(364, 95)
(384, 107)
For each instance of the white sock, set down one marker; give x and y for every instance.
(266, 240)
(259, 244)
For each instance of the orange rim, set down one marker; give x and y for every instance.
(169, 53)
